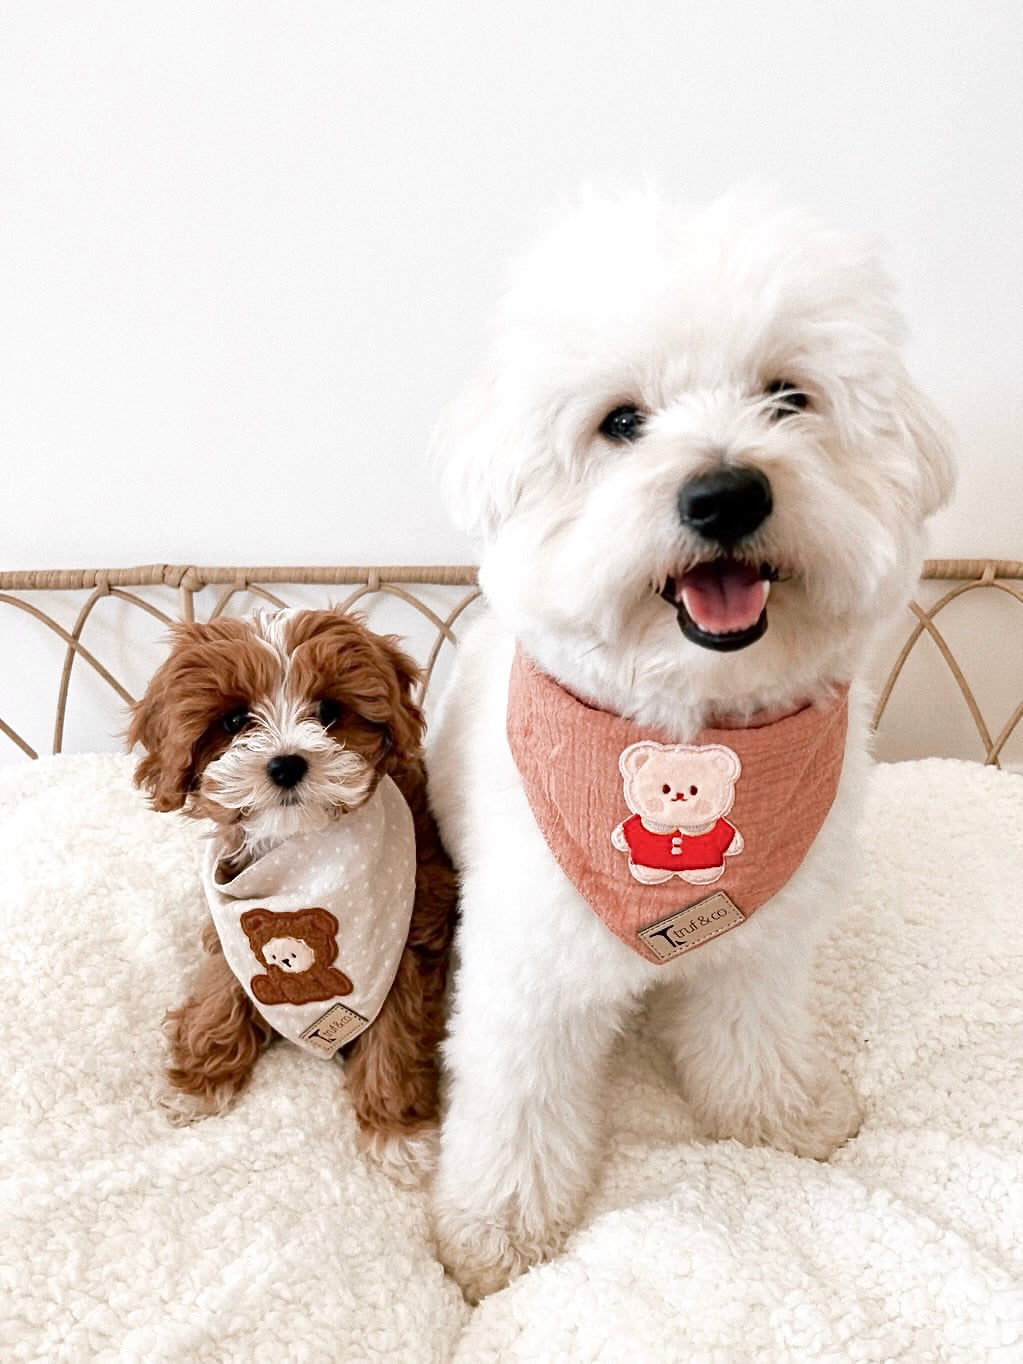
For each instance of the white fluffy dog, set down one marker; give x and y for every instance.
(701, 472)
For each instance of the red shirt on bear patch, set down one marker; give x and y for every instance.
(677, 851)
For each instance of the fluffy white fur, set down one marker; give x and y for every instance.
(690, 317)
(265, 1238)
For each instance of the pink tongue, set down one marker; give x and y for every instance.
(724, 596)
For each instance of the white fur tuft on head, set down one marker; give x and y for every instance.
(743, 335)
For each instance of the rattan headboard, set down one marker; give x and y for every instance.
(55, 620)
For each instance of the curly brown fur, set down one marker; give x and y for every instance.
(274, 671)
(215, 1037)
(211, 668)
(392, 1068)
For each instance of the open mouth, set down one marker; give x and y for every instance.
(722, 604)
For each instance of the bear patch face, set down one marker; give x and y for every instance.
(679, 795)
(677, 786)
(290, 954)
(299, 948)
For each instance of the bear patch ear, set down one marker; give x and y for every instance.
(724, 760)
(255, 920)
(635, 758)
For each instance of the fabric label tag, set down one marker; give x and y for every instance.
(333, 1029)
(692, 925)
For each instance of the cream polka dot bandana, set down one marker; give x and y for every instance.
(315, 929)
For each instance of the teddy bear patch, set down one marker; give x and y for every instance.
(299, 949)
(679, 795)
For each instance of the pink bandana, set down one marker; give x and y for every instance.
(672, 844)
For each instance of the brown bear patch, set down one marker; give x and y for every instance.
(316, 929)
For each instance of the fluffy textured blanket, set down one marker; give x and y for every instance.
(262, 1235)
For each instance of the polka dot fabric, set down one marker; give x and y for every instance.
(342, 895)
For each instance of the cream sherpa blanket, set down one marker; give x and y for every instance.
(262, 1235)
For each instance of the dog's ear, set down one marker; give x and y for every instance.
(405, 723)
(465, 449)
(164, 770)
(157, 726)
(923, 430)
(486, 456)
(336, 652)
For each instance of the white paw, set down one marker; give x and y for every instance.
(812, 1122)
(408, 1160)
(483, 1256)
(833, 1116)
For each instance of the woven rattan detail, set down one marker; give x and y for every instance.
(408, 584)
(245, 585)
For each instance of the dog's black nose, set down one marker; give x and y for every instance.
(287, 769)
(727, 505)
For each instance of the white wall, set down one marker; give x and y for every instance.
(247, 250)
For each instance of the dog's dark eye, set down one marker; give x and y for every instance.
(235, 720)
(787, 399)
(329, 713)
(623, 424)
(665, 789)
(693, 790)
